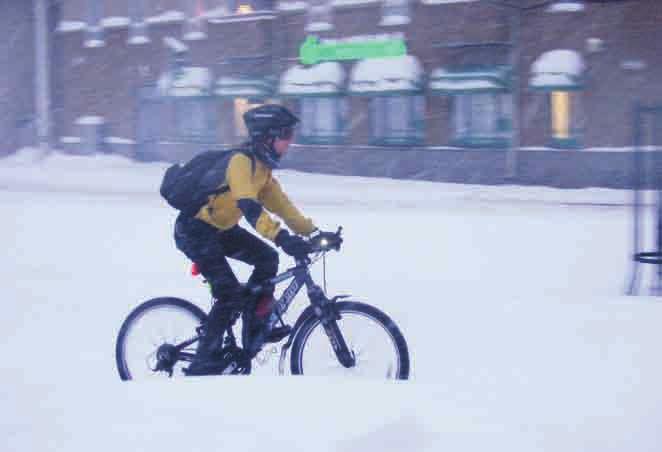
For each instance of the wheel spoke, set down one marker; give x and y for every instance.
(158, 326)
(375, 350)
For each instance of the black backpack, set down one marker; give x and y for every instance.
(187, 187)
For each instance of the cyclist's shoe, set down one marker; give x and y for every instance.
(205, 367)
(208, 360)
(228, 361)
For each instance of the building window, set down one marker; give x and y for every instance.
(395, 12)
(195, 24)
(482, 119)
(319, 17)
(397, 120)
(94, 30)
(244, 8)
(249, 6)
(322, 120)
(138, 26)
(565, 119)
(195, 119)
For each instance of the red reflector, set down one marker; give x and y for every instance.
(195, 270)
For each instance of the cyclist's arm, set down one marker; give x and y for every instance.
(240, 180)
(276, 201)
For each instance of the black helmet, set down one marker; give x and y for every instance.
(269, 121)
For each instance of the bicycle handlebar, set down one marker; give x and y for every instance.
(326, 241)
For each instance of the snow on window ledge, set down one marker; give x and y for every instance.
(194, 36)
(71, 140)
(319, 26)
(118, 140)
(191, 81)
(389, 21)
(94, 43)
(565, 7)
(403, 73)
(351, 3)
(232, 18)
(559, 61)
(166, 17)
(325, 77)
(215, 13)
(292, 6)
(90, 120)
(138, 40)
(115, 22)
(70, 25)
(442, 2)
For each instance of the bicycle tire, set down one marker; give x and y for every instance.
(139, 312)
(303, 334)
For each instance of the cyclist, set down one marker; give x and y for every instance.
(212, 235)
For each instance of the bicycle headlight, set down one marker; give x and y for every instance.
(324, 242)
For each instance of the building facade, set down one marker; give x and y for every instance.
(162, 79)
(17, 58)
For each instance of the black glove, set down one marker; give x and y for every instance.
(324, 240)
(293, 245)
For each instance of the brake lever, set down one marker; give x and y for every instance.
(339, 237)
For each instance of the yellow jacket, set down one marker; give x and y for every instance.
(222, 212)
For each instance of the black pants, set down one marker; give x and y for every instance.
(210, 247)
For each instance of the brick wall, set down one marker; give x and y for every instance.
(104, 80)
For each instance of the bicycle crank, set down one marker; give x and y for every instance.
(166, 357)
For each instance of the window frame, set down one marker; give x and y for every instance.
(337, 134)
(138, 26)
(499, 137)
(207, 132)
(395, 8)
(94, 35)
(381, 134)
(319, 17)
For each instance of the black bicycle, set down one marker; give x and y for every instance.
(331, 336)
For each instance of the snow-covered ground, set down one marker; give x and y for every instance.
(510, 299)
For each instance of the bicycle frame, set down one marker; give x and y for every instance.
(300, 275)
(322, 307)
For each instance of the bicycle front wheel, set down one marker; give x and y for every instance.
(375, 341)
(148, 337)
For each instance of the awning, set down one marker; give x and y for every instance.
(321, 79)
(244, 87)
(469, 80)
(557, 70)
(185, 82)
(393, 75)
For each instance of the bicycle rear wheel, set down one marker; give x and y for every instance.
(154, 328)
(378, 346)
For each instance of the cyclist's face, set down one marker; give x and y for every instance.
(281, 145)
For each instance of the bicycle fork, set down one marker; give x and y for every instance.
(326, 310)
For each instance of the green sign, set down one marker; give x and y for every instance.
(312, 51)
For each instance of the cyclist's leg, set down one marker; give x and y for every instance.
(200, 242)
(243, 246)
